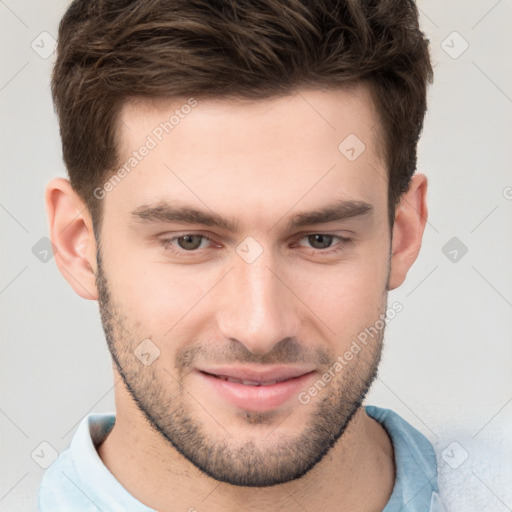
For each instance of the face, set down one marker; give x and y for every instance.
(240, 259)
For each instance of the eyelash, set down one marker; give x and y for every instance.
(344, 241)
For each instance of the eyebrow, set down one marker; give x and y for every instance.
(165, 212)
(340, 210)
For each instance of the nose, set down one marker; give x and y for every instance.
(255, 305)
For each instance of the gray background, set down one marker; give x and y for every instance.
(446, 367)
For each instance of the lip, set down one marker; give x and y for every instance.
(264, 389)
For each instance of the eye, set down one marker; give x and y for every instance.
(319, 241)
(192, 243)
(322, 242)
(188, 242)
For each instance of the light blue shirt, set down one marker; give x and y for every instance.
(78, 481)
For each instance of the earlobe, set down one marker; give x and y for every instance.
(71, 232)
(410, 219)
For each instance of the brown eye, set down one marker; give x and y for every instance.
(189, 242)
(324, 244)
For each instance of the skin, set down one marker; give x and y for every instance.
(259, 163)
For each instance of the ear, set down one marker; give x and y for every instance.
(410, 219)
(71, 232)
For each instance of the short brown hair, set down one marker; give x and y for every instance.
(112, 50)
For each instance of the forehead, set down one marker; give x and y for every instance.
(238, 154)
(305, 110)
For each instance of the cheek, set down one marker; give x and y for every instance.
(346, 297)
(159, 299)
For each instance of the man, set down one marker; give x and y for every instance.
(241, 199)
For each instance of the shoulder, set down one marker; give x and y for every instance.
(410, 444)
(416, 485)
(64, 484)
(59, 491)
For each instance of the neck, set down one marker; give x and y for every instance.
(357, 474)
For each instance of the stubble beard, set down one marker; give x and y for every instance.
(223, 458)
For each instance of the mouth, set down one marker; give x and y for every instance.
(256, 389)
(247, 382)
